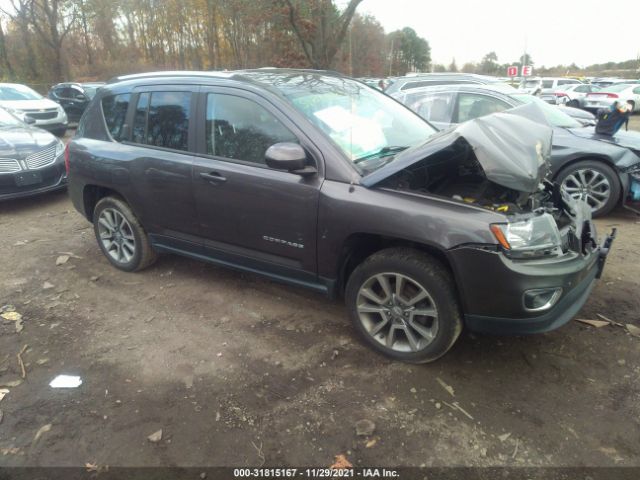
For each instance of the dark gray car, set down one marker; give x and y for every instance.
(31, 159)
(319, 181)
(602, 168)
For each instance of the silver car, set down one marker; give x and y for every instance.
(23, 101)
(621, 92)
(573, 95)
(535, 85)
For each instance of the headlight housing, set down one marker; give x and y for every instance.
(533, 237)
(634, 170)
(59, 148)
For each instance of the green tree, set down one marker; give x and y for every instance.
(408, 52)
(489, 64)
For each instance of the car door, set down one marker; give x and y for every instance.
(251, 215)
(161, 144)
(75, 103)
(61, 96)
(475, 105)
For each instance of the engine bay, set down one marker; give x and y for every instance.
(456, 173)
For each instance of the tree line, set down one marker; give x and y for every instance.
(489, 65)
(50, 41)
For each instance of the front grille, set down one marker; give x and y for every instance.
(42, 158)
(9, 165)
(42, 115)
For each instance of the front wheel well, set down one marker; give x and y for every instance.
(360, 246)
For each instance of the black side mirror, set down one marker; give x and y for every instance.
(29, 120)
(290, 157)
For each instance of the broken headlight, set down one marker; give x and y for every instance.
(534, 237)
(634, 171)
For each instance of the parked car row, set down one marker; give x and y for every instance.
(583, 162)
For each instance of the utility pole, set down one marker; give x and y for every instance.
(391, 56)
(350, 51)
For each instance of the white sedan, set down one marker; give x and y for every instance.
(622, 92)
(573, 95)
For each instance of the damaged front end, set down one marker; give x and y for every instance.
(546, 257)
(500, 163)
(631, 188)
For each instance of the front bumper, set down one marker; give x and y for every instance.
(53, 177)
(493, 300)
(52, 127)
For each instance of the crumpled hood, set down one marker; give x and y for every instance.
(513, 147)
(622, 138)
(19, 142)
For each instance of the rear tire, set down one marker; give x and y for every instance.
(398, 325)
(573, 103)
(120, 235)
(593, 172)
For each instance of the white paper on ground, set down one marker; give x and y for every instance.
(66, 381)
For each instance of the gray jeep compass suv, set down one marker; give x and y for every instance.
(320, 181)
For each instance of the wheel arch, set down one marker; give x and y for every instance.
(582, 157)
(359, 246)
(92, 194)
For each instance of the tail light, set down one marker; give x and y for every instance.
(599, 94)
(66, 158)
(560, 94)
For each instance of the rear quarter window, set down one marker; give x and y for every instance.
(114, 109)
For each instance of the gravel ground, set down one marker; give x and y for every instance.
(237, 370)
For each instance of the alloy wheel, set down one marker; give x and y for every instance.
(589, 184)
(116, 235)
(397, 312)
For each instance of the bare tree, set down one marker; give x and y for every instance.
(4, 57)
(53, 22)
(20, 16)
(320, 29)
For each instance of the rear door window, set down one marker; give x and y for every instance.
(114, 108)
(472, 106)
(162, 119)
(434, 107)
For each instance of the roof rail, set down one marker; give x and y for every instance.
(170, 73)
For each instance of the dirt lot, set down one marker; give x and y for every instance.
(237, 370)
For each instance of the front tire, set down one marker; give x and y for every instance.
(594, 179)
(403, 302)
(120, 236)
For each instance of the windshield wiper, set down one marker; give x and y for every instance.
(383, 152)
